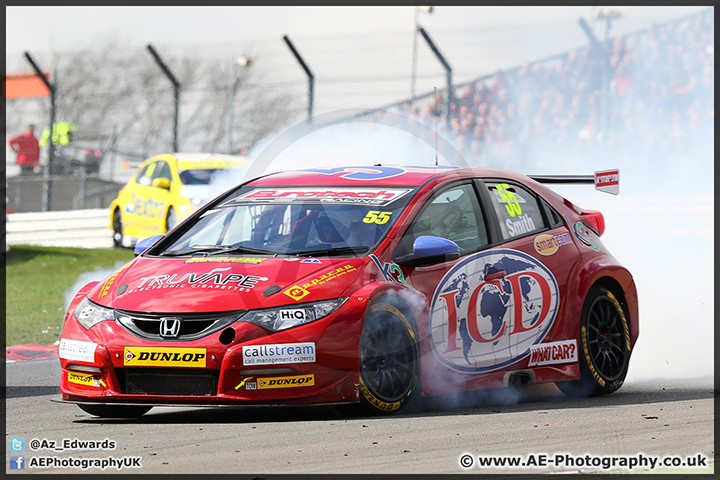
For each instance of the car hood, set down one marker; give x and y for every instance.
(217, 284)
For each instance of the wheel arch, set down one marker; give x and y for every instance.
(613, 277)
(114, 207)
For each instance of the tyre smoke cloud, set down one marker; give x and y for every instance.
(84, 278)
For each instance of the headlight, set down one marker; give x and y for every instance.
(282, 318)
(89, 314)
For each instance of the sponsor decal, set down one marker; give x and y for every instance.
(310, 260)
(608, 181)
(83, 379)
(292, 314)
(145, 208)
(524, 224)
(584, 236)
(549, 244)
(246, 383)
(105, 289)
(286, 382)
(225, 259)
(391, 272)
(281, 353)
(581, 234)
(164, 357)
(295, 292)
(490, 309)
(365, 196)
(77, 350)
(213, 279)
(360, 173)
(376, 172)
(553, 353)
(329, 275)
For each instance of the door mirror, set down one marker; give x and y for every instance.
(429, 250)
(143, 244)
(161, 183)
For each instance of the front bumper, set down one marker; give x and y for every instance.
(124, 369)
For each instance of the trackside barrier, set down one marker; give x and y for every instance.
(72, 228)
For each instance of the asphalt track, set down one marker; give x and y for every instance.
(645, 419)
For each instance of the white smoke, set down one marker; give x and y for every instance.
(667, 243)
(95, 276)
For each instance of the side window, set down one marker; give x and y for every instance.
(517, 209)
(553, 217)
(162, 171)
(453, 214)
(145, 176)
(141, 177)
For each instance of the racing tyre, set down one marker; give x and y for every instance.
(171, 220)
(604, 348)
(117, 229)
(388, 356)
(115, 411)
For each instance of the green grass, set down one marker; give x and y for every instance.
(37, 281)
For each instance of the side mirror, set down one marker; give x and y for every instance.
(143, 244)
(429, 250)
(161, 183)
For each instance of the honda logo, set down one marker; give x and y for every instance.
(169, 327)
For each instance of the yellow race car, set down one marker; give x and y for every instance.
(166, 189)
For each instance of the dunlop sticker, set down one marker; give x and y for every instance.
(286, 382)
(83, 379)
(164, 357)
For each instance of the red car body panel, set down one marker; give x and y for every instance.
(174, 285)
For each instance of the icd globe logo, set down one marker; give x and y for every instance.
(490, 308)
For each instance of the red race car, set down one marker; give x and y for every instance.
(358, 285)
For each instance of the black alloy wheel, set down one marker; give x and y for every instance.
(604, 348)
(388, 357)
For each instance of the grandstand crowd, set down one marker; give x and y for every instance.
(646, 99)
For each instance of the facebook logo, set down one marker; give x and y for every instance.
(17, 462)
(17, 444)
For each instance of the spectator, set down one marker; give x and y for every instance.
(28, 150)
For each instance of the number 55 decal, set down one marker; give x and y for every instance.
(513, 206)
(376, 216)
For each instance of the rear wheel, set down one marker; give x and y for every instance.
(115, 411)
(388, 357)
(117, 229)
(171, 220)
(604, 346)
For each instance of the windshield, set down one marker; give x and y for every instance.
(294, 221)
(199, 176)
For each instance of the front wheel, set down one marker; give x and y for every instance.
(604, 346)
(388, 357)
(115, 411)
(171, 220)
(117, 229)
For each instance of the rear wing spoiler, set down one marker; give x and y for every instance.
(607, 181)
